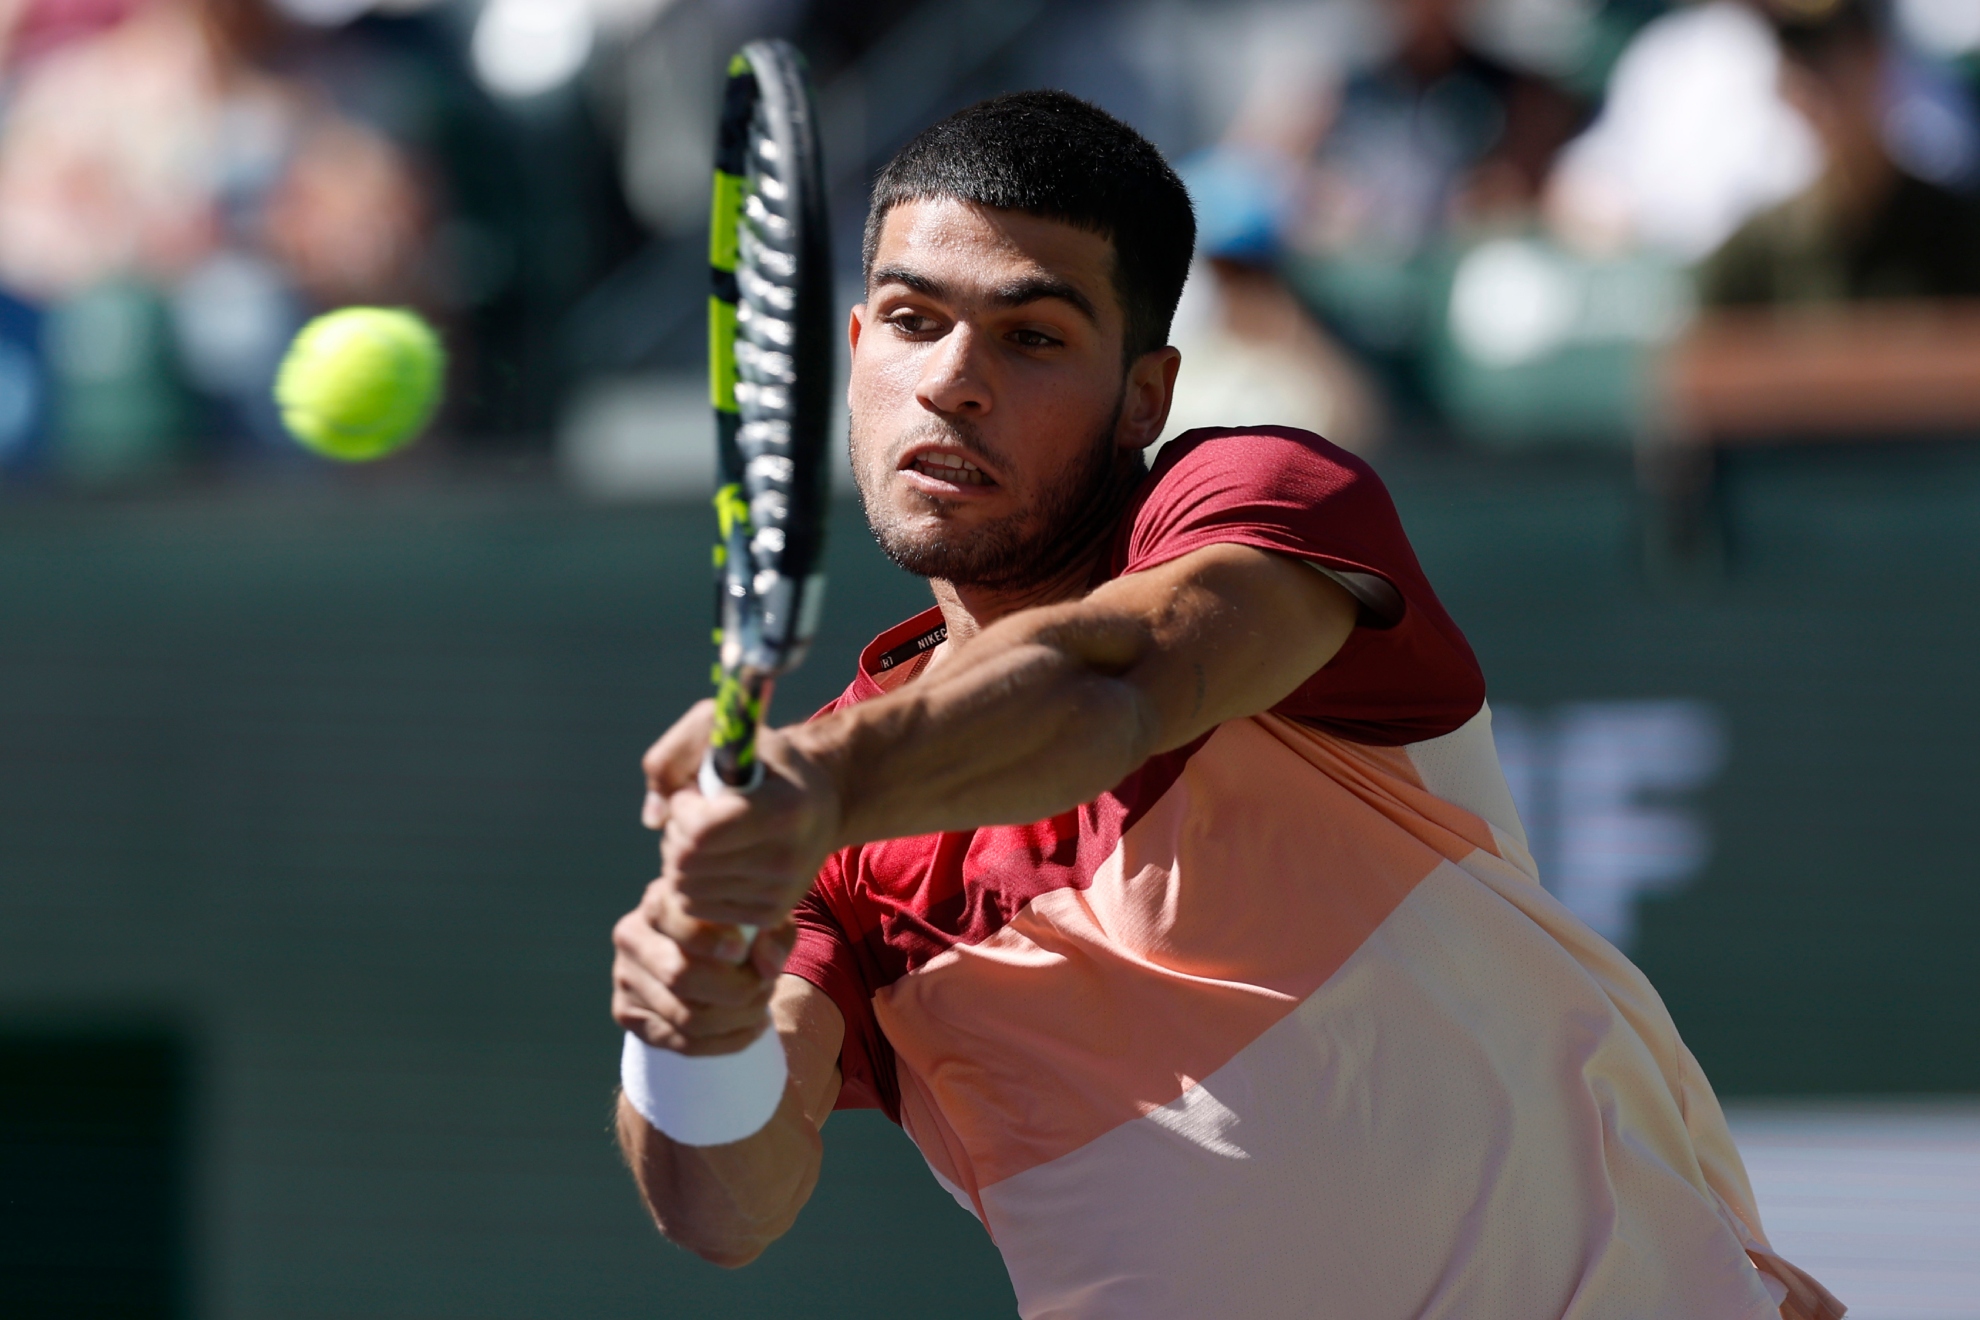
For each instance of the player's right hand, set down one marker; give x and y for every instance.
(684, 985)
(740, 859)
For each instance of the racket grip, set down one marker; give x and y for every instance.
(711, 784)
(709, 780)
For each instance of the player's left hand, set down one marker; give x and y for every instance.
(739, 859)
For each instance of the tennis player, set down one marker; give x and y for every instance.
(1160, 880)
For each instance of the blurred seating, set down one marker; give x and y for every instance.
(1693, 137)
(1865, 227)
(1439, 142)
(178, 209)
(1251, 351)
(1849, 311)
(1886, 370)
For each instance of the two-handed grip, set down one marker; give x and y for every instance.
(711, 784)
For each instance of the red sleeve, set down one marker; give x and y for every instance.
(1396, 680)
(825, 957)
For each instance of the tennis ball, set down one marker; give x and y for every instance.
(360, 382)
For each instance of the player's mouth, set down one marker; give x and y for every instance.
(945, 473)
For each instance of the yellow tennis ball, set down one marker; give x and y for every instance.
(360, 382)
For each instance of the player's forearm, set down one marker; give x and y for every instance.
(1053, 706)
(726, 1203)
(1031, 719)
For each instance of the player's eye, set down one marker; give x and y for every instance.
(1033, 339)
(911, 323)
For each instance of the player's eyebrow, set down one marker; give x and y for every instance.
(1016, 293)
(1035, 288)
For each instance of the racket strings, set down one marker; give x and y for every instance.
(770, 347)
(767, 246)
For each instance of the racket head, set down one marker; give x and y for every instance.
(771, 340)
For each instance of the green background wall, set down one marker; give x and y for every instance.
(337, 791)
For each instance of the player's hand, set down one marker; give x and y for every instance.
(682, 984)
(739, 859)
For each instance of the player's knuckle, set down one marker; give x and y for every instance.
(671, 1009)
(667, 961)
(685, 846)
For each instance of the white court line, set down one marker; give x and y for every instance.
(1880, 1200)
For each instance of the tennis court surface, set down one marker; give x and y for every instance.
(1879, 1200)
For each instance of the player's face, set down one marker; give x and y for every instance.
(993, 424)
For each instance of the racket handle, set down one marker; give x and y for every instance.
(711, 784)
(740, 700)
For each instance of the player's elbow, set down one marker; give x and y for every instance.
(732, 1258)
(730, 1255)
(733, 1236)
(722, 1203)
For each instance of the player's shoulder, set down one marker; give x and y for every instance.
(1246, 472)
(1245, 444)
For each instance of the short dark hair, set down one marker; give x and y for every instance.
(1053, 155)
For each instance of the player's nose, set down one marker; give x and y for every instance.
(953, 377)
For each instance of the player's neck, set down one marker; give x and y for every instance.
(1074, 561)
(967, 610)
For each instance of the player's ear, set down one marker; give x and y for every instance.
(855, 325)
(1151, 386)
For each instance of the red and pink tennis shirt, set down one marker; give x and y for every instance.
(1284, 1025)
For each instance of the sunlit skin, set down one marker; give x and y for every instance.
(996, 340)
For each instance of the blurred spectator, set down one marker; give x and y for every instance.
(182, 182)
(1693, 138)
(107, 155)
(178, 209)
(1442, 134)
(1251, 352)
(1866, 228)
(1846, 310)
(1439, 132)
(348, 217)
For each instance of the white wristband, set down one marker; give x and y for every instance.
(711, 1100)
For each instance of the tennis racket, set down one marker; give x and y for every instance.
(770, 345)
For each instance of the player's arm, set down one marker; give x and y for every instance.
(1045, 709)
(1052, 706)
(725, 1203)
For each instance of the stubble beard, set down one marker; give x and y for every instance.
(1074, 512)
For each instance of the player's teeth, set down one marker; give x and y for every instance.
(950, 468)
